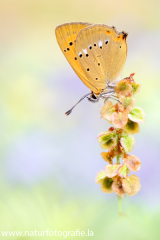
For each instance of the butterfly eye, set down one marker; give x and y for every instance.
(95, 44)
(71, 43)
(68, 49)
(106, 41)
(87, 69)
(96, 78)
(75, 58)
(98, 64)
(87, 55)
(120, 46)
(90, 47)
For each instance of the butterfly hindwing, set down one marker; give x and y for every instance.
(101, 52)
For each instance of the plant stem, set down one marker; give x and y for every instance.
(119, 204)
(118, 161)
(119, 198)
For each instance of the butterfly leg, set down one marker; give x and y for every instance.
(115, 99)
(108, 95)
(100, 106)
(111, 85)
(112, 97)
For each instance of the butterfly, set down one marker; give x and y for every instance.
(97, 53)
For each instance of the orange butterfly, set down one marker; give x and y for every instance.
(97, 53)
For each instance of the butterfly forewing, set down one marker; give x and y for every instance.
(101, 52)
(66, 36)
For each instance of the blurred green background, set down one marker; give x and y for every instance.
(49, 161)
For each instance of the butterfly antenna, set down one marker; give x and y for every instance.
(69, 111)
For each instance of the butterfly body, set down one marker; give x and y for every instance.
(96, 52)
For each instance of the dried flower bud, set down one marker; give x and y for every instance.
(119, 120)
(131, 185)
(107, 140)
(119, 150)
(109, 144)
(111, 129)
(132, 162)
(107, 110)
(106, 185)
(111, 170)
(104, 137)
(135, 88)
(100, 175)
(127, 103)
(123, 171)
(127, 143)
(118, 189)
(116, 178)
(137, 115)
(107, 157)
(123, 87)
(131, 76)
(119, 107)
(131, 127)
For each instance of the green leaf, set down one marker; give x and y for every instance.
(109, 145)
(135, 88)
(104, 137)
(137, 115)
(131, 127)
(111, 170)
(100, 175)
(122, 172)
(127, 143)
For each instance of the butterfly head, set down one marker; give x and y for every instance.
(125, 35)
